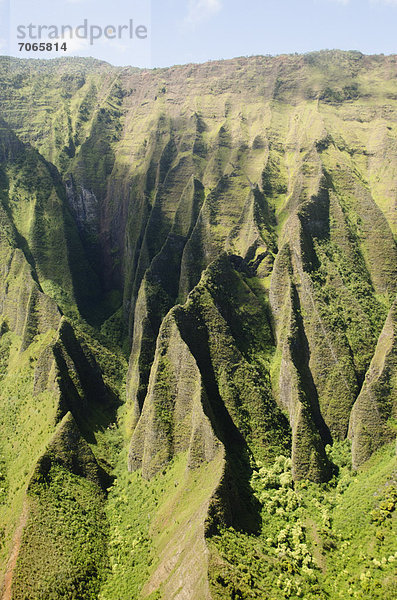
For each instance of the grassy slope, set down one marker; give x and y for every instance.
(44, 519)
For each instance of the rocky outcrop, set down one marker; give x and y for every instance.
(174, 416)
(84, 207)
(158, 293)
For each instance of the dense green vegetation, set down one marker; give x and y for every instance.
(198, 329)
(328, 541)
(64, 544)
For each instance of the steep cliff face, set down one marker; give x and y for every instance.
(374, 412)
(229, 229)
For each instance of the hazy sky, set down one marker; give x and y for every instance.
(180, 31)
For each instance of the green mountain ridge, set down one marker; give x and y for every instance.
(198, 376)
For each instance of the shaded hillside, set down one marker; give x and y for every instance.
(198, 328)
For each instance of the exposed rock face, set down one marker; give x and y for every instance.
(173, 418)
(84, 207)
(232, 225)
